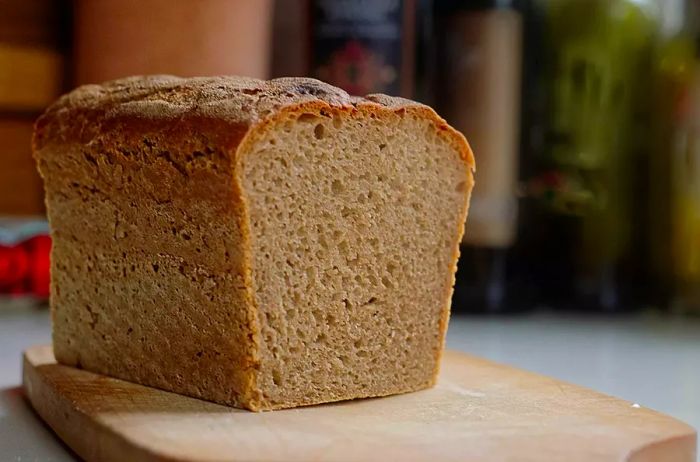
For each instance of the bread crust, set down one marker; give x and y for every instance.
(234, 112)
(241, 102)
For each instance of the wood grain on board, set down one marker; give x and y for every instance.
(479, 411)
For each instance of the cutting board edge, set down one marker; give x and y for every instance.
(54, 408)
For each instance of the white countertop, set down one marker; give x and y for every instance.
(651, 360)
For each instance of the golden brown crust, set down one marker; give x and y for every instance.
(237, 100)
(231, 112)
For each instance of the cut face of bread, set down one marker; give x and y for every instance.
(353, 220)
(287, 245)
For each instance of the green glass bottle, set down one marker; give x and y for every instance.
(588, 179)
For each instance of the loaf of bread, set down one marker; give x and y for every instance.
(261, 244)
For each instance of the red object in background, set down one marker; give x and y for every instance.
(24, 267)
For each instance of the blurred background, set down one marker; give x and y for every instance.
(584, 116)
(581, 258)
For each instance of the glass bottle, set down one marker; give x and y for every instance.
(365, 46)
(479, 51)
(674, 167)
(587, 190)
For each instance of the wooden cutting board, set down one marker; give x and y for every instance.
(479, 411)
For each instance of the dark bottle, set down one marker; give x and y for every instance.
(479, 49)
(586, 197)
(366, 46)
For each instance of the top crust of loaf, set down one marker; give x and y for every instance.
(240, 101)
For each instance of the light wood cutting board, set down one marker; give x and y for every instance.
(479, 411)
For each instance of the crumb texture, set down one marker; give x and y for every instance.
(354, 223)
(261, 244)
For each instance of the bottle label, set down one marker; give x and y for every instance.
(482, 86)
(360, 45)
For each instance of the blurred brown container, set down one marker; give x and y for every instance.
(32, 38)
(31, 77)
(21, 191)
(33, 41)
(117, 38)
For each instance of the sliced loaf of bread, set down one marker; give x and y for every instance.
(261, 244)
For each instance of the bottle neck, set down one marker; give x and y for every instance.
(672, 17)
